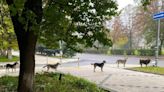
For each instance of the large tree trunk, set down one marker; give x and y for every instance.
(27, 62)
(27, 39)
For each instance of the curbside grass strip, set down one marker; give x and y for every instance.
(132, 69)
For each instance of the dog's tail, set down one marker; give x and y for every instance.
(92, 63)
(44, 66)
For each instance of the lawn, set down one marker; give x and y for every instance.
(49, 82)
(155, 70)
(5, 59)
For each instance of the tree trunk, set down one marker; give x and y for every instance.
(27, 39)
(27, 62)
(9, 53)
(9, 49)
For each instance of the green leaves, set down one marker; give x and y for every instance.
(77, 21)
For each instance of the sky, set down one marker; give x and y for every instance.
(123, 3)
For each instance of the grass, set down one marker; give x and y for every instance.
(5, 59)
(48, 82)
(155, 70)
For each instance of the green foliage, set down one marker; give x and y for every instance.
(100, 50)
(155, 70)
(48, 82)
(76, 22)
(7, 35)
(162, 52)
(138, 52)
(8, 84)
(5, 59)
(145, 3)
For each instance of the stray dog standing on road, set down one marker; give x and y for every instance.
(101, 65)
(122, 61)
(144, 61)
(53, 66)
(12, 66)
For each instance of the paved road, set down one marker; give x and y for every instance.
(86, 59)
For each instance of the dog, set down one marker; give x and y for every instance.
(101, 65)
(53, 66)
(12, 66)
(122, 61)
(144, 61)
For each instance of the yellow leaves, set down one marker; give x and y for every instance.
(121, 41)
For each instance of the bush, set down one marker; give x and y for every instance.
(49, 82)
(5, 59)
(97, 51)
(138, 52)
(162, 52)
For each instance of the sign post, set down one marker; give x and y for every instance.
(157, 16)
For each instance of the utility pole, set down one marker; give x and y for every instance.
(158, 17)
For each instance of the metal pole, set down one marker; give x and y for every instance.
(78, 62)
(61, 53)
(157, 44)
(157, 41)
(47, 58)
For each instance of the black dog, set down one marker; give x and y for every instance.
(12, 66)
(99, 65)
(53, 66)
(144, 61)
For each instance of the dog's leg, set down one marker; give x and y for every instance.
(118, 64)
(124, 64)
(6, 69)
(47, 68)
(94, 68)
(15, 69)
(101, 69)
(141, 64)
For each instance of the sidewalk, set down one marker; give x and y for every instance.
(113, 79)
(119, 80)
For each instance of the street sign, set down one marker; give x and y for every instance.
(158, 15)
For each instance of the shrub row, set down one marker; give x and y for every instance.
(138, 52)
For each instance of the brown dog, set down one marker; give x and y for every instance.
(53, 66)
(121, 61)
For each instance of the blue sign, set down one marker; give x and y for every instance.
(158, 15)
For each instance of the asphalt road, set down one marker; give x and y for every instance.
(86, 59)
